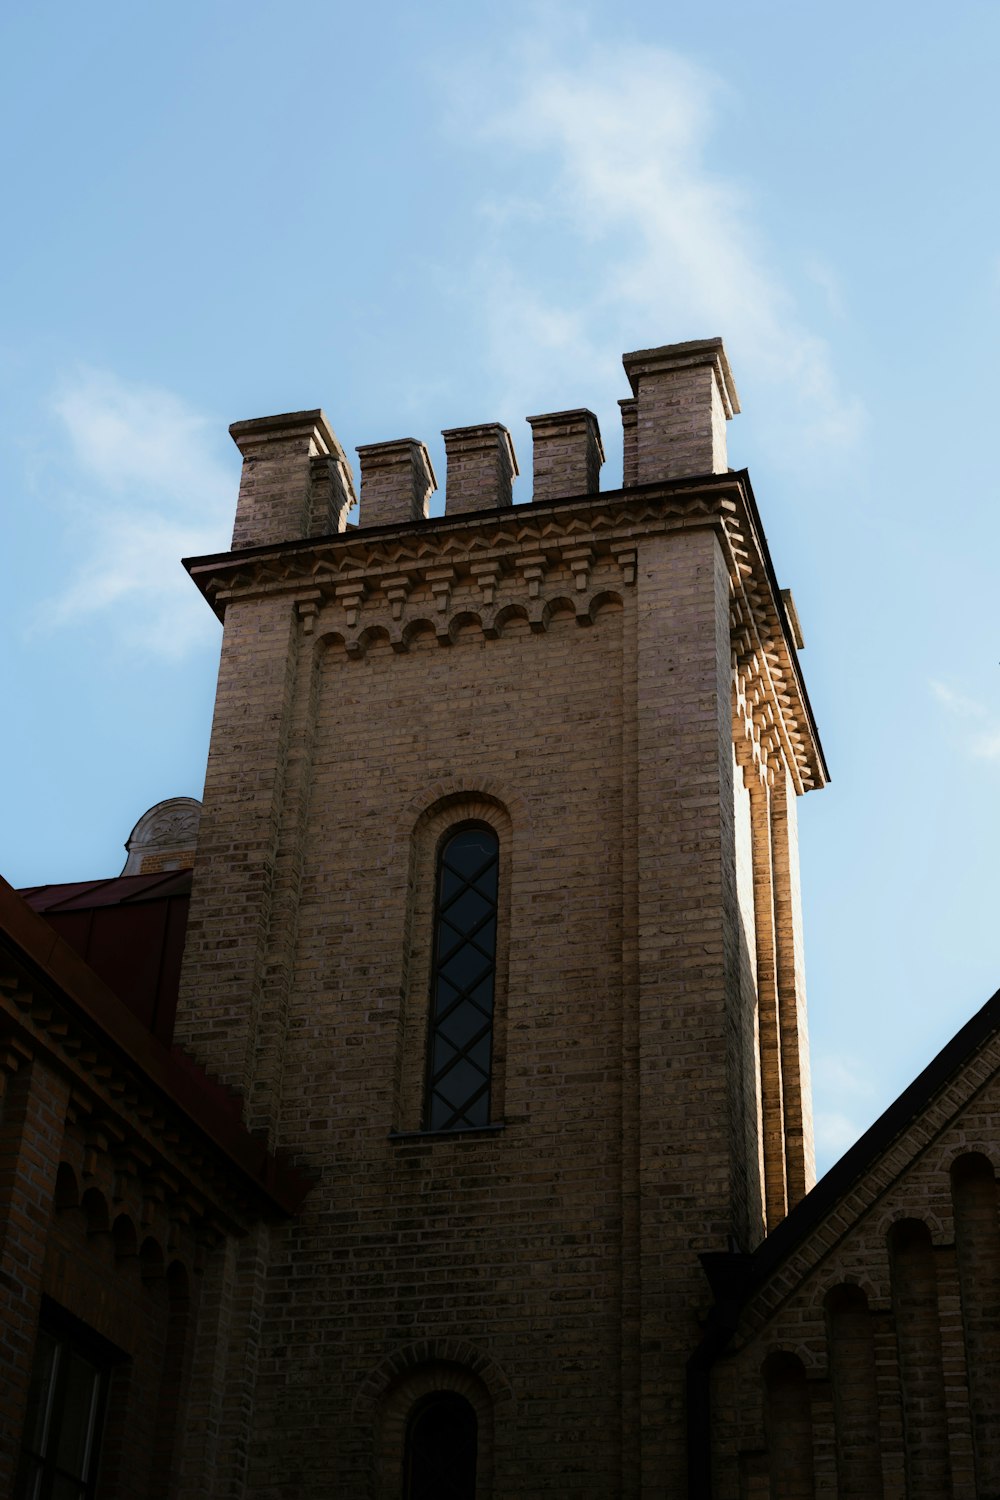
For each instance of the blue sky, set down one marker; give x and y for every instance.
(421, 217)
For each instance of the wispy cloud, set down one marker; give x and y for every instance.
(633, 239)
(835, 1133)
(844, 1082)
(982, 728)
(143, 485)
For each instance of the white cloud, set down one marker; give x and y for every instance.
(843, 1076)
(844, 1081)
(144, 485)
(835, 1133)
(986, 746)
(983, 741)
(957, 703)
(648, 244)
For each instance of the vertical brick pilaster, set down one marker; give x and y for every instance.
(796, 1086)
(772, 1103)
(631, 1280)
(264, 1100)
(31, 1132)
(918, 1331)
(630, 432)
(693, 1184)
(226, 952)
(977, 1251)
(223, 1384)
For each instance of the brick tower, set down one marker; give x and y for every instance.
(495, 929)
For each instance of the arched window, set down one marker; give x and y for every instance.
(440, 1453)
(460, 1039)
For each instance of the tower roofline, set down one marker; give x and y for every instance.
(360, 559)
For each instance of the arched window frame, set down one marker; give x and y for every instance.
(487, 1391)
(464, 1416)
(430, 833)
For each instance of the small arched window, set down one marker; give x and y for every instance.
(460, 1040)
(440, 1453)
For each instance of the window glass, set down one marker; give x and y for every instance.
(62, 1424)
(440, 1462)
(461, 1031)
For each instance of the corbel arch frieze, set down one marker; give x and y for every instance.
(408, 616)
(762, 699)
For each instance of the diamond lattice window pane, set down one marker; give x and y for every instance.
(461, 1041)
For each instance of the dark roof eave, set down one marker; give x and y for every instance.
(838, 1181)
(734, 1277)
(46, 954)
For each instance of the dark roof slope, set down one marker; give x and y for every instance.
(130, 931)
(209, 1112)
(121, 890)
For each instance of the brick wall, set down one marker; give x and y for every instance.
(596, 736)
(575, 676)
(76, 1242)
(867, 1363)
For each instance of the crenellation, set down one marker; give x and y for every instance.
(567, 454)
(685, 394)
(397, 481)
(629, 408)
(601, 688)
(296, 481)
(481, 468)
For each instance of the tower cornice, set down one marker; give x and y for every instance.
(525, 556)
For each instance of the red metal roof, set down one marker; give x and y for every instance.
(130, 931)
(119, 891)
(209, 1107)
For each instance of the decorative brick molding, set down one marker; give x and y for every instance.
(165, 837)
(429, 579)
(450, 1352)
(390, 1391)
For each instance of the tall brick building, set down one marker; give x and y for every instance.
(493, 980)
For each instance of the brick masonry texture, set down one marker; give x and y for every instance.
(887, 1311)
(624, 1273)
(567, 677)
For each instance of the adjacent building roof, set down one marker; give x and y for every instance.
(52, 997)
(130, 931)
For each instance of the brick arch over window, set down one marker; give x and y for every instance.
(442, 815)
(390, 1392)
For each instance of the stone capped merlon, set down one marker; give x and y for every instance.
(567, 454)
(397, 481)
(685, 394)
(296, 480)
(481, 467)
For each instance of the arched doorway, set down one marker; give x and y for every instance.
(439, 1460)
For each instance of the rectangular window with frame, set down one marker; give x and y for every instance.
(67, 1401)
